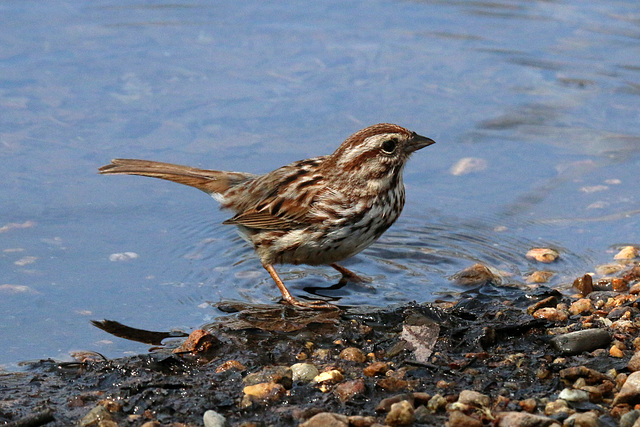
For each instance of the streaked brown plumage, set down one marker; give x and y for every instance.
(314, 211)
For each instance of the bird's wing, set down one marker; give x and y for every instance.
(278, 213)
(283, 199)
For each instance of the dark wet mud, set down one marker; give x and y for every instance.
(500, 355)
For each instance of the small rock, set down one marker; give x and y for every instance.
(376, 368)
(545, 255)
(539, 277)
(474, 398)
(628, 252)
(436, 403)
(591, 376)
(213, 419)
(361, 421)
(573, 395)
(273, 374)
(422, 415)
(528, 405)
(634, 362)
(583, 305)
(385, 404)
(400, 414)
(326, 419)
(630, 391)
(511, 419)
(629, 419)
(581, 341)
(353, 354)
(609, 269)
(585, 419)
(614, 351)
(94, 416)
(557, 407)
(476, 274)
(584, 284)
(350, 389)
(551, 314)
(635, 289)
(230, 364)
(459, 419)
(107, 423)
(304, 372)
(551, 301)
(333, 376)
(264, 392)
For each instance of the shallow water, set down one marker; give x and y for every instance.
(546, 94)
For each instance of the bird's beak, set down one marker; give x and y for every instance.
(417, 142)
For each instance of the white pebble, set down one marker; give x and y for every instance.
(123, 256)
(213, 419)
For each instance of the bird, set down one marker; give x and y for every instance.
(317, 211)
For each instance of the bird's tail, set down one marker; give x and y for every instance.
(209, 181)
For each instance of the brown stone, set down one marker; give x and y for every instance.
(353, 354)
(459, 419)
(376, 368)
(400, 414)
(350, 389)
(326, 419)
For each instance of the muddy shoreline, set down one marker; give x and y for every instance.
(501, 355)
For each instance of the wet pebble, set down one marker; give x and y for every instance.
(376, 368)
(511, 419)
(401, 414)
(385, 404)
(630, 391)
(580, 341)
(97, 414)
(583, 305)
(473, 398)
(545, 255)
(213, 419)
(460, 419)
(573, 395)
(304, 372)
(230, 364)
(272, 374)
(539, 277)
(551, 314)
(333, 376)
(528, 405)
(263, 392)
(634, 362)
(476, 274)
(551, 301)
(629, 419)
(327, 419)
(585, 419)
(616, 352)
(353, 354)
(628, 252)
(436, 403)
(349, 389)
(557, 407)
(584, 284)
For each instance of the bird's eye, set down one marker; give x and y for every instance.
(389, 145)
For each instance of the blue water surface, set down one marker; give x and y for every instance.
(543, 95)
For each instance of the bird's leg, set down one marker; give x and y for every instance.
(286, 295)
(347, 274)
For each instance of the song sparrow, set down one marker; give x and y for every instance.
(315, 211)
